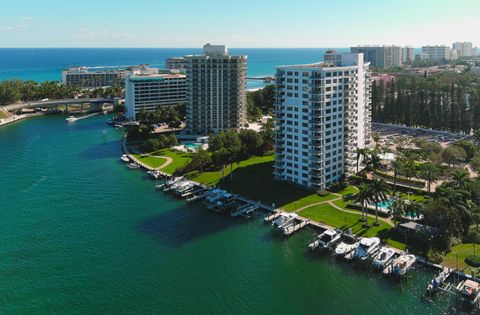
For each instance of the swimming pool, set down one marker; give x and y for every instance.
(385, 205)
(191, 145)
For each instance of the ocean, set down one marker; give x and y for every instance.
(41, 64)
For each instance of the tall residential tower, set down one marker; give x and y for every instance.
(216, 91)
(323, 114)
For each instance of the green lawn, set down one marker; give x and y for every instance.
(350, 190)
(214, 177)
(179, 159)
(331, 216)
(151, 161)
(311, 199)
(413, 196)
(463, 251)
(254, 179)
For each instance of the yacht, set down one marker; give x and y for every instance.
(384, 257)
(347, 247)
(325, 240)
(71, 119)
(402, 264)
(125, 158)
(133, 165)
(284, 220)
(468, 292)
(367, 247)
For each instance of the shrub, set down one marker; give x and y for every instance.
(434, 256)
(473, 260)
(323, 193)
(472, 236)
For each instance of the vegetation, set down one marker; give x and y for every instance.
(152, 161)
(13, 91)
(309, 200)
(179, 159)
(260, 102)
(462, 251)
(437, 102)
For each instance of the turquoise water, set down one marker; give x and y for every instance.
(192, 145)
(83, 234)
(386, 204)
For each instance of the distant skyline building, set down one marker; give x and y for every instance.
(85, 77)
(385, 56)
(176, 64)
(216, 91)
(146, 90)
(464, 49)
(322, 115)
(437, 53)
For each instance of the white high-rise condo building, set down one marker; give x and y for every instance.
(385, 56)
(323, 114)
(464, 49)
(216, 91)
(437, 53)
(148, 91)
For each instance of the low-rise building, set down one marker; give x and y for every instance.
(148, 91)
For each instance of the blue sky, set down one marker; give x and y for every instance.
(244, 23)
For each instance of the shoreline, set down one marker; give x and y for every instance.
(309, 222)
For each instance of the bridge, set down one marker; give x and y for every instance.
(54, 103)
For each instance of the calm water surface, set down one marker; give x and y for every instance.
(81, 233)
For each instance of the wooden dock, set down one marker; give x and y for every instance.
(289, 230)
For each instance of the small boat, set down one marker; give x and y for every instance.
(284, 220)
(133, 165)
(347, 247)
(402, 264)
(125, 158)
(384, 257)
(438, 281)
(71, 119)
(367, 247)
(468, 292)
(325, 240)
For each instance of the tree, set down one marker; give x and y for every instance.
(430, 173)
(362, 197)
(397, 167)
(461, 178)
(379, 191)
(452, 154)
(251, 141)
(362, 153)
(398, 208)
(469, 147)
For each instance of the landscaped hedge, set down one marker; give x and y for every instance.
(401, 180)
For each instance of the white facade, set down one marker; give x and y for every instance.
(216, 91)
(437, 53)
(464, 49)
(385, 56)
(148, 91)
(323, 114)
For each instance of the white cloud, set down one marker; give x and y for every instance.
(26, 18)
(12, 28)
(86, 35)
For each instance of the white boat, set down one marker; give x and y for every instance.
(284, 220)
(133, 165)
(183, 188)
(176, 185)
(71, 119)
(468, 292)
(125, 158)
(402, 264)
(347, 247)
(384, 257)
(325, 240)
(367, 247)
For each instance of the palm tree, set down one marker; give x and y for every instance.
(430, 173)
(476, 135)
(398, 207)
(362, 197)
(379, 191)
(361, 153)
(461, 178)
(397, 167)
(374, 162)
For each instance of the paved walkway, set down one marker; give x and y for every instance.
(339, 197)
(166, 163)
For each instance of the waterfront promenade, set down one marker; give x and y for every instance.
(11, 119)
